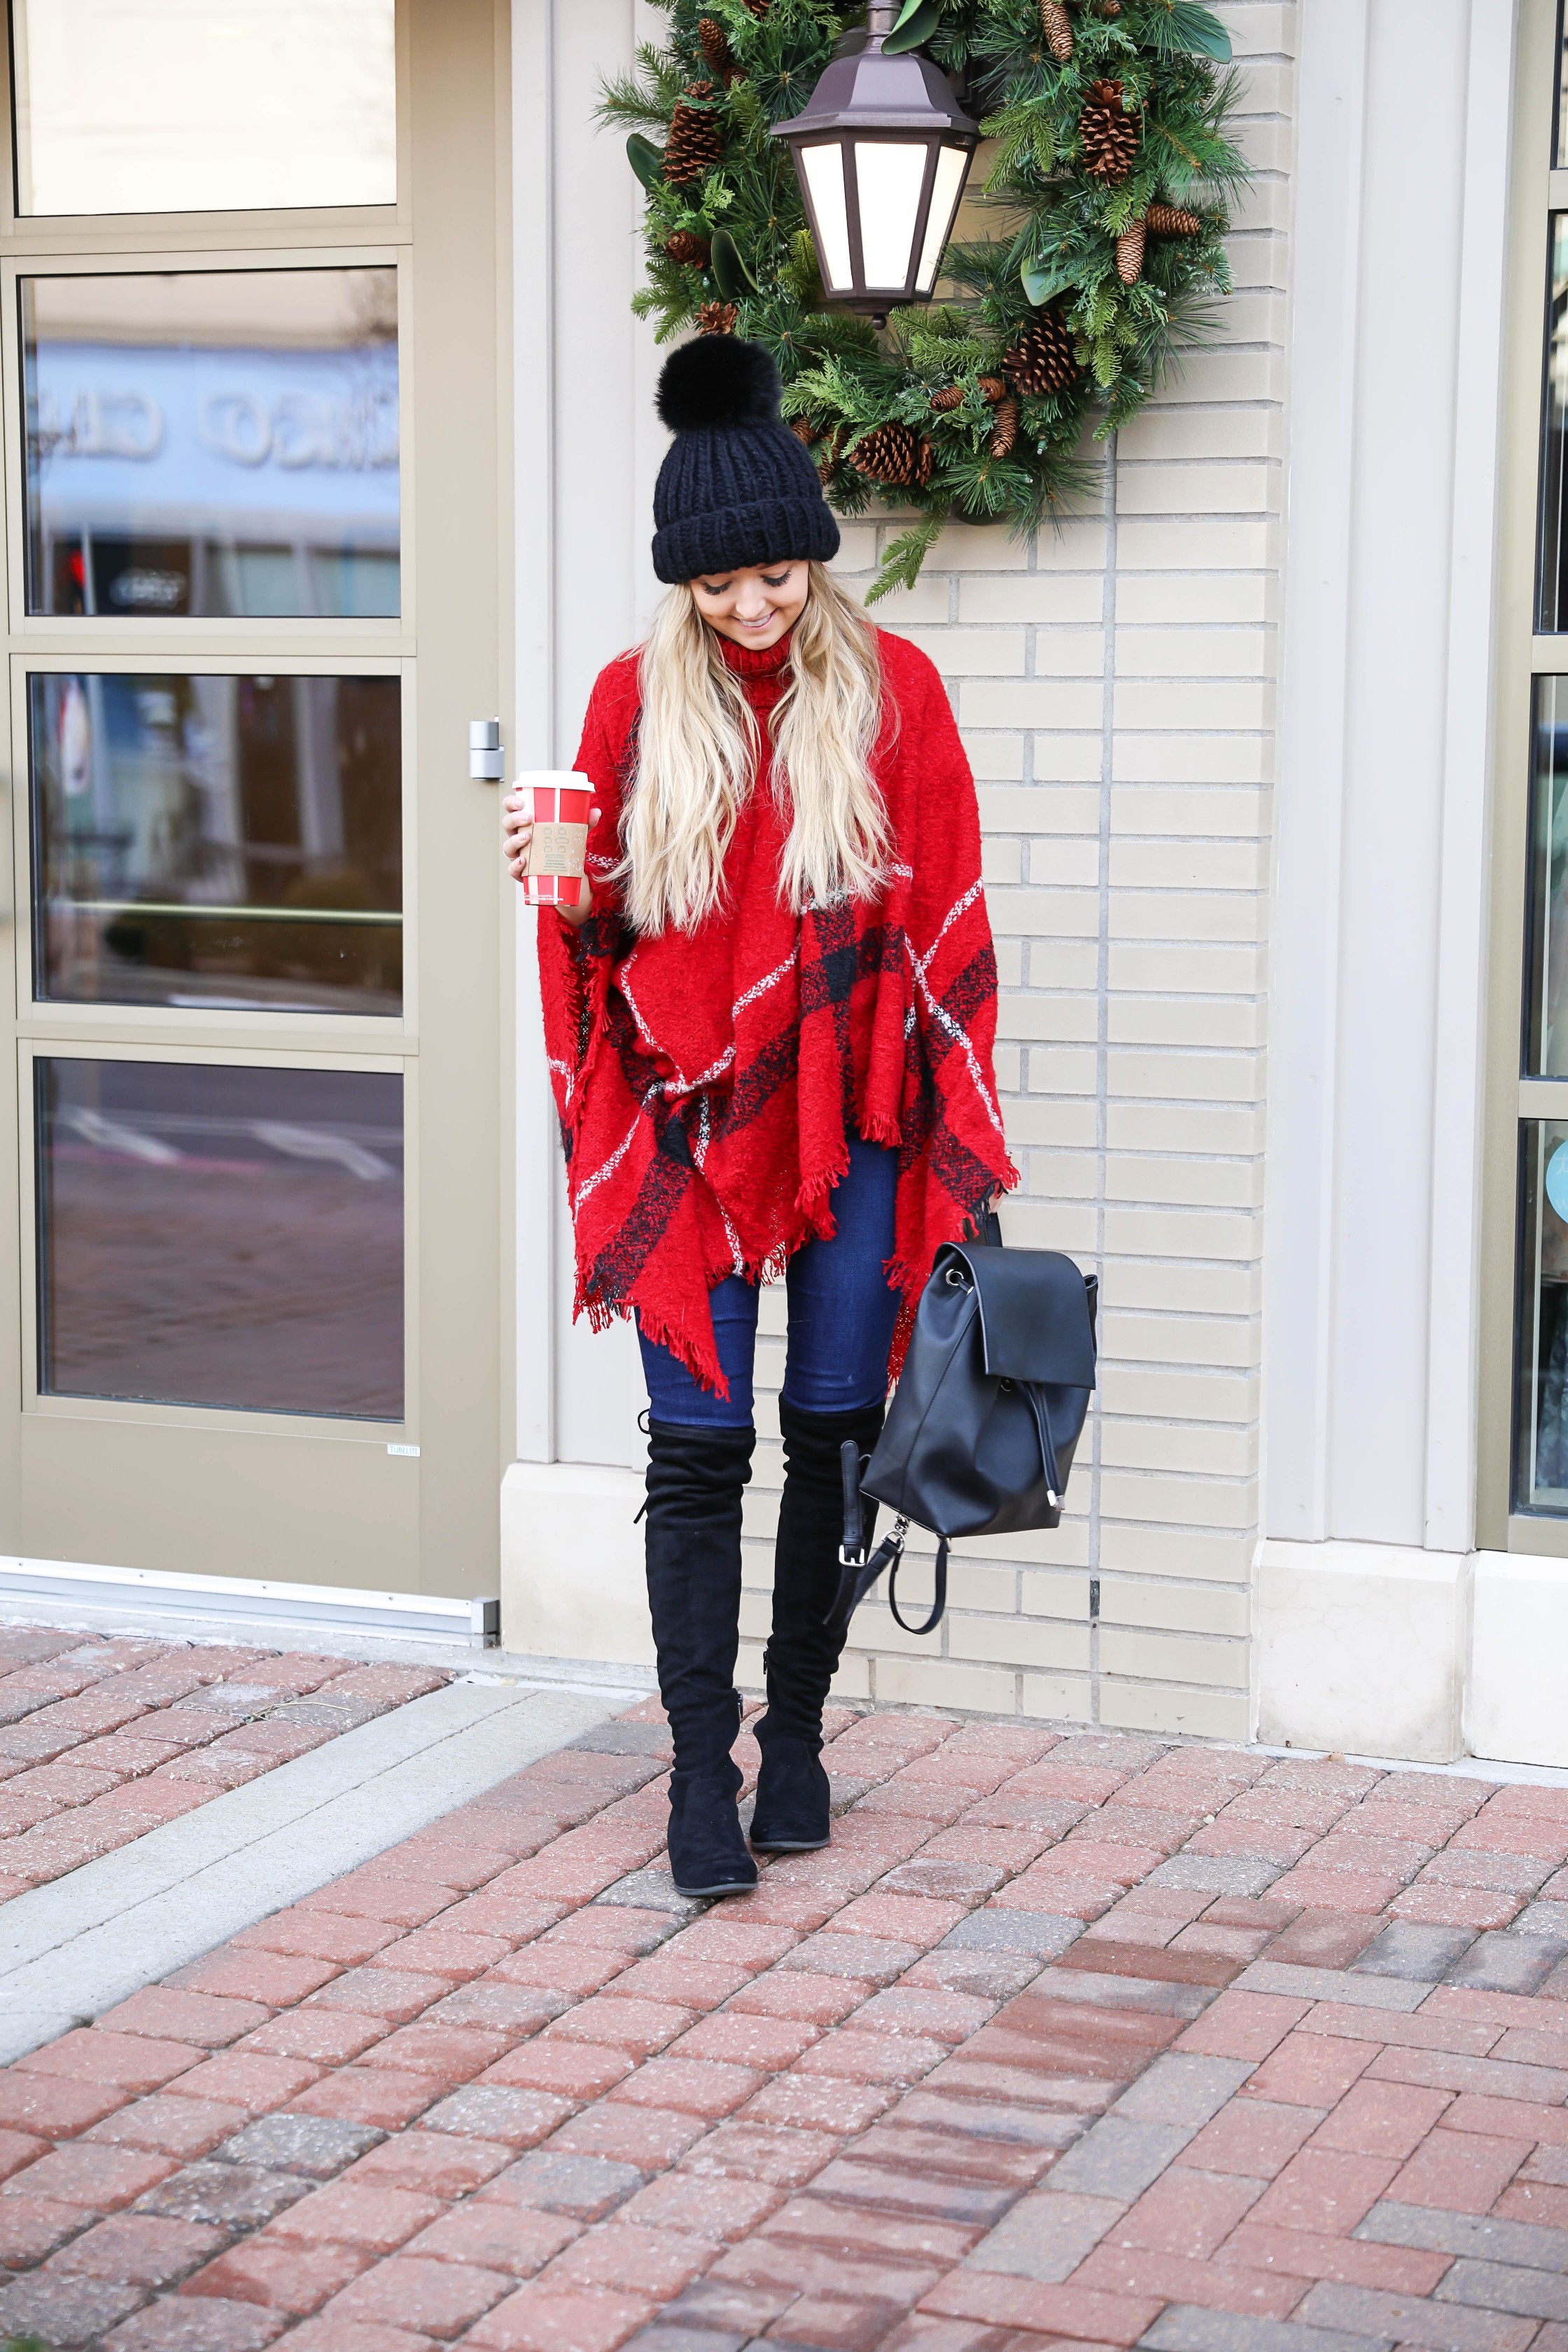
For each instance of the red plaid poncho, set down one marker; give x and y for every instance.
(707, 1082)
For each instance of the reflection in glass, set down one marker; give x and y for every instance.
(1546, 974)
(213, 443)
(1541, 1386)
(225, 106)
(212, 842)
(1552, 589)
(221, 1236)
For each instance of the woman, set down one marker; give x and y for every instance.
(770, 1039)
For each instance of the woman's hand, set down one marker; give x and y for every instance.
(517, 832)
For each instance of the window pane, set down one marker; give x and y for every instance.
(217, 841)
(1552, 595)
(224, 105)
(217, 1236)
(1560, 134)
(1546, 971)
(213, 442)
(1540, 1405)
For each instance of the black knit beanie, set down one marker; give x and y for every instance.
(736, 487)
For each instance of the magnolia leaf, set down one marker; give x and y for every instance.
(733, 279)
(1043, 280)
(1194, 28)
(915, 25)
(645, 160)
(911, 8)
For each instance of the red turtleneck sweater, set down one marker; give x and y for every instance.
(706, 1081)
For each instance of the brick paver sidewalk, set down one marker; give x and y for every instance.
(102, 1741)
(1027, 2057)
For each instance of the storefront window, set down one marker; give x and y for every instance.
(1552, 582)
(211, 443)
(1540, 1392)
(214, 841)
(228, 1237)
(1546, 974)
(230, 105)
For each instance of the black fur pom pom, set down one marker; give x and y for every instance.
(717, 380)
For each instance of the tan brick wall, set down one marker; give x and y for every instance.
(1114, 683)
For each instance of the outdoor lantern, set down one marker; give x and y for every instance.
(881, 152)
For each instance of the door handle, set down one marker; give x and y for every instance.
(486, 758)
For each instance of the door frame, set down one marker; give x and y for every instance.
(454, 1043)
(1536, 192)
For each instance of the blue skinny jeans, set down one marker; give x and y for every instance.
(841, 1316)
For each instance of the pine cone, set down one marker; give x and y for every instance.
(992, 387)
(692, 250)
(717, 318)
(1042, 359)
(714, 44)
(893, 454)
(950, 397)
(759, 8)
(1004, 431)
(1057, 26)
(696, 139)
(1110, 8)
(1168, 220)
(1130, 247)
(804, 433)
(828, 460)
(1107, 136)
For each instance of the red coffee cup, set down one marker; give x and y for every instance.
(559, 801)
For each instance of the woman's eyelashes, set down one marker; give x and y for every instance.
(723, 587)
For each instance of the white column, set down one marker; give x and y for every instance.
(1375, 1041)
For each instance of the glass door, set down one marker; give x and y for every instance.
(249, 352)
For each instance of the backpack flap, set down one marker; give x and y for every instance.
(1037, 1318)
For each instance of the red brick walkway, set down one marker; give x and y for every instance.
(1028, 2057)
(102, 1741)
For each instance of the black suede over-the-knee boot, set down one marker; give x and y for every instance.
(695, 1481)
(792, 1811)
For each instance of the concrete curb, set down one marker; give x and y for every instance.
(72, 1949)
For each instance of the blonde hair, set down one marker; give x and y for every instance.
(698, 750)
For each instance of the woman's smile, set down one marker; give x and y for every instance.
(755, 604)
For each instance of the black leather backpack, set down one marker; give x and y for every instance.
(983, 1423)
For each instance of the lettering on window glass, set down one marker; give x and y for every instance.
(214, 444)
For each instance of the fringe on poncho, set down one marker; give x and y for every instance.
(707, 1082)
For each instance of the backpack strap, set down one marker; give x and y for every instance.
(939, 1598)
(1036, 1395)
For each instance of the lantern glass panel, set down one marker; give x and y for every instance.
(889, 175)
(824, 169)
(951, 166)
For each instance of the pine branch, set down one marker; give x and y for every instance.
(903, 556)
(645, 99)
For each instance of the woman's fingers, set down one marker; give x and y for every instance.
(517, 829)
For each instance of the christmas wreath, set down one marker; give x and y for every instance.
(1112, 173)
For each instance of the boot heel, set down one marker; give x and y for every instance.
(707, 1853)
(793, 1809)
